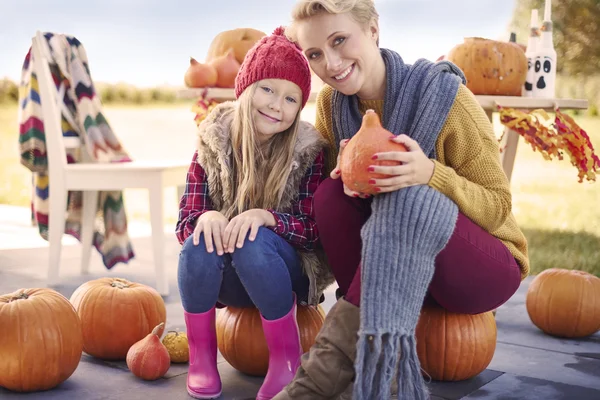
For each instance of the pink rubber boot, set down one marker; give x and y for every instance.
(283, 341)
(203, 381)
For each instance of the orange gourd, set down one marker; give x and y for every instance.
(357, 156)
(241, 339)
(149, 359)
(240, 40)
(40, 340)
(454, 347)
(491, 67)
(227, 68)
(200, 75)
(565, 303)
(116, 313)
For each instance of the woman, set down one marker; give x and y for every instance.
(440, 226)
(246, 218)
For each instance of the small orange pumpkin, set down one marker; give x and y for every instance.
(565, 303)
(116, 313)
(454, 347)
(40, 340)
(491, 67)
(241, 339)
(357, 156)
(149, 359)
(227, 68)
(200, 75)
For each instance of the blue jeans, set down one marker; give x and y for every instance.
(263, 273)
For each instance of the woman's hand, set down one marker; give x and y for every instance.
(337, 173)
(212, 223)
(416, 167)
(237, 229)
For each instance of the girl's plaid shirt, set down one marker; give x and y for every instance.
(297, 227)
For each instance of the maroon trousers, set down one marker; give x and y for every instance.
(474, 273)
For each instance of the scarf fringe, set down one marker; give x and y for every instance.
(378, 352)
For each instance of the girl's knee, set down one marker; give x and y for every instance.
(195, 257)
(253, 250)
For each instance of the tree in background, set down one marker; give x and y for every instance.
(576, 26)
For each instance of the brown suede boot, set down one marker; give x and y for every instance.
(328, 368)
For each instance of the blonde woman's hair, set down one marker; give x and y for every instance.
(363, 11)
(260, 172)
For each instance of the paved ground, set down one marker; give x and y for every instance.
(527, 364)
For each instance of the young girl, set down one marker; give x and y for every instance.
(246, 219)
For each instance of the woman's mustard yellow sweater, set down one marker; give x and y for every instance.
(467, 167)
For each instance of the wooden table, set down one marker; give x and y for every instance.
(488, 103)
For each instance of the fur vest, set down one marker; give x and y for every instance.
(215, 157)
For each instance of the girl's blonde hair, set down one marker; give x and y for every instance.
(260, 172)
(363, 11)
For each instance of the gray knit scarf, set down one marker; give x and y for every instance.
(406, 230)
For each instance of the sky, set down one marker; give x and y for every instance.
(148, 42)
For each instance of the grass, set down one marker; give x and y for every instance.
(559, 216)
(15, 180)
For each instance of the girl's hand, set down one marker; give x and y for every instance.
(416, 167)
(212, 223)
(235, 233)
(337, 173)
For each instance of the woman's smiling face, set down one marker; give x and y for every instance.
(340, 50)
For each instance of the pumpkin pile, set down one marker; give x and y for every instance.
(225, 56)
(454, 347)
(241, 339)
(491, 67)
(565, 303)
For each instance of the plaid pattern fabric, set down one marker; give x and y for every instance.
(297, 227)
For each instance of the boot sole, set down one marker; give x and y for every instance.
(203, 395)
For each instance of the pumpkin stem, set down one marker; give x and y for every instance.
(20, 296)
(119, 283)
(157, 328)
(371, 119)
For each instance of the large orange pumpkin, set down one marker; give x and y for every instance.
(454, 347)
(40, 340)
(240, 40)
(116, 313)
(565, 303)
(242, 342)
(491, 67)
(358, 154)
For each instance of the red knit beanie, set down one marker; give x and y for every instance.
(274, 57)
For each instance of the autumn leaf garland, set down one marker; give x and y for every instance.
(203, 106)
(554, 139)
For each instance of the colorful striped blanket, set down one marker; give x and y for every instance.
(81, 117)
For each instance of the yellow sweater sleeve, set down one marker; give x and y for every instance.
(467, 168)
(324, 124)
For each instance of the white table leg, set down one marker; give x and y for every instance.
(507, 157)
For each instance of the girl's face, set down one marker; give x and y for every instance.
(341, 51)
(275, 104)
